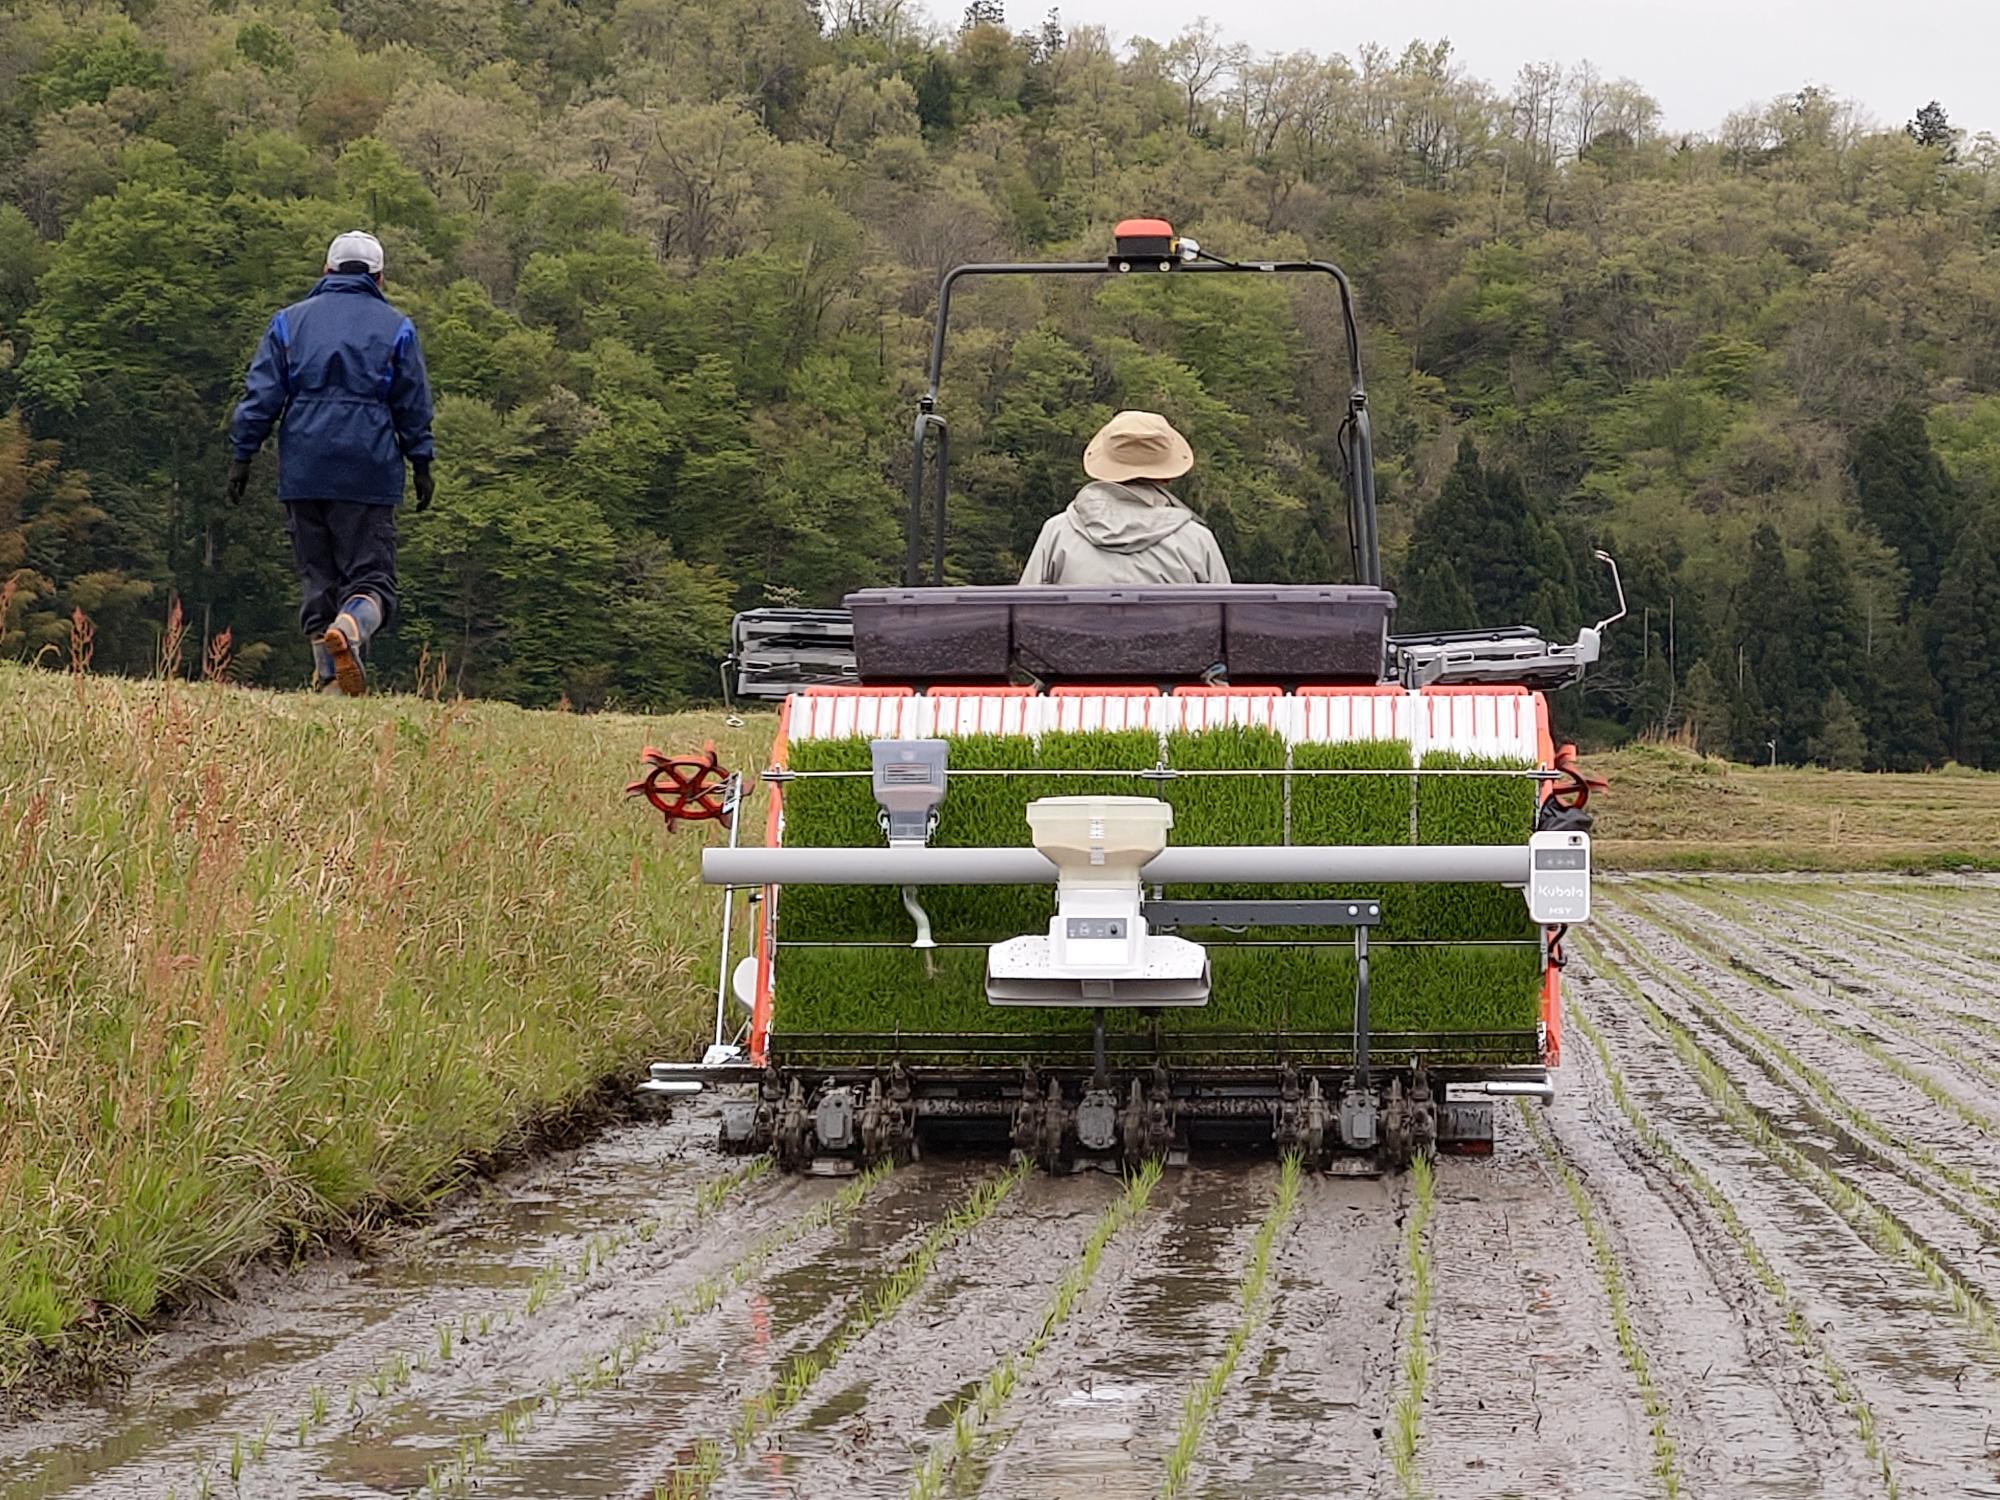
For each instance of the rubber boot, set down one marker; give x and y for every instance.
(347, 639)
(323, 677)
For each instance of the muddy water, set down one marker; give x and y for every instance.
(1102, 1406)
(877, 1413)
(1316, 1381)
(526, 1332)
(220, 1375)
(1925, 1375)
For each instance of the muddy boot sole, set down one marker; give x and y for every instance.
(346, 663)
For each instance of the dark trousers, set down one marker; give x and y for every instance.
(343, 548)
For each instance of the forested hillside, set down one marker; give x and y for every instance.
(672, 265)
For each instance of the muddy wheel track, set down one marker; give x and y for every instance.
(892, 1396)
(1527, 1396)
(628, 1434)
(1100, 1407)
(1310, 1406)
(1750, 1413)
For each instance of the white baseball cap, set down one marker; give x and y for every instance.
(356, 244)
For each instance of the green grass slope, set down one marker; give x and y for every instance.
(271, 963)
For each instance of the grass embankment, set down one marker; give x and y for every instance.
(271, 965)
(1259, 986)
(1670, 810)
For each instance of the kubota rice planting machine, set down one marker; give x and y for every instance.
(1103, 874)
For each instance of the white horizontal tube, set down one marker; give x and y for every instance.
(1411, 864)
(1507, 1088)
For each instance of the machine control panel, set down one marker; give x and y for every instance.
(1101, 928)
(1559, 878)
(909, 781)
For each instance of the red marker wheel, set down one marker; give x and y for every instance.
(684, 788)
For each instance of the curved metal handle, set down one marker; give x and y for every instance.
(1618, 587)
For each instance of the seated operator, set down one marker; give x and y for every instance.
(1126, 527)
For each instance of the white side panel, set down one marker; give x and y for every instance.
(1495, 724)
(1353, 716)
(832, 716)
(1113, 711)
(1220, 710)
(981, 714)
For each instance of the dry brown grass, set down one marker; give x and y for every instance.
(1669, 809)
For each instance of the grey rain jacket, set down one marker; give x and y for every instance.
(1113, 534)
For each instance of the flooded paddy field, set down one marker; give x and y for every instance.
(1752, 1249)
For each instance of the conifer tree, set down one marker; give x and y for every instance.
(1768, 615)
(1827, 633)
(1839, 744)
(1905, 493)
(1704, 709)
(1906, 730)
(1966, 625)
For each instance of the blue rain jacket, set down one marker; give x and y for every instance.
(342, 378)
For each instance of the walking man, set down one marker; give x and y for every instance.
(342, 378)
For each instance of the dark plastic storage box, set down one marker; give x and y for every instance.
(1159, 633)
(1100, 635)
(1306, 632)
(931, 635)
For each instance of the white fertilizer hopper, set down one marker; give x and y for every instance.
(1097, 951)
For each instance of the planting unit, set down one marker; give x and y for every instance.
(879, 992)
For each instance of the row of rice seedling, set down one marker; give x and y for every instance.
(797, 1378)
(447, 1340)
(1665, 1464)
(1862, 1132)
(1874, 1223)
(1405, 1426)
(515, 1419)
(977, 1411)
(1280, 982)
(1799, 1326)
(1201, 1400)
(1893, 1018)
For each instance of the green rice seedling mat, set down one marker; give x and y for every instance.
(1265, 982)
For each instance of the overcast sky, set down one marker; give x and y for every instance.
(1699, 58)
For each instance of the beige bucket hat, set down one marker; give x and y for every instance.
(1137, 445)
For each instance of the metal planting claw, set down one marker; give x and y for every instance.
(684, 788)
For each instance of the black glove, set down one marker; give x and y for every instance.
(426, 486)
(239, 479)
